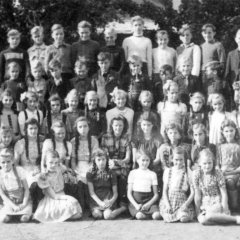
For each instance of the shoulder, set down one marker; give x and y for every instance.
(20, 144)
(21, 172)
(47, 142)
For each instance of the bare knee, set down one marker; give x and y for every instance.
(25, 218)
(185, 219)
(107, 214)
(140, 216)
(5, 219)
(77, 216)
(97, 214)
(156, 216)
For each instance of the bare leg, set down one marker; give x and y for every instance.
(25, 218)
(5, 219)
(140, 216)
(97, 214)
(76, 216)
(107, 214)
(217, 218)
(118, 211)
(156, 216)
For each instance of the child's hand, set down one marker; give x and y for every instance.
(16, 208)
(168, 208)
(145, 207)
(103, 205)
(36, 171)
(108, 203)
(138, 207)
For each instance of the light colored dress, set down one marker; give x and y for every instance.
(54, 210)
(178, 185)
(11, 184)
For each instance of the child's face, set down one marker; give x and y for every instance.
(137, 28)
(196, 104)
(41, 91)
(6, 163)
(165, 75)
(92, 102)
(13, 73)
(73, 103)
(143, 162)
(6, 139)
(199, 136)
(101, 162)
(217, 105)
(83, 128)
(37, 38)
(229, 133)
(162, 41)
(237, 38)
(104, 65)
(84, 33)
(32, 130)
(52, 164)
(210, 72)
(146, 102)
(172, 94)
(178, 160)
(135, 67)
(58, 36)
(14, 41)
(7, 102)
(117, 126)
(56, 72)
(55, 106)
(206, 164)
(37, 73)
(208, 34)
(32, 103)
(146, 127)
(81, 71)
(110, 38)
(185, 68)
(173, 135)
(186, 37)
(59, 133)
(120, 101)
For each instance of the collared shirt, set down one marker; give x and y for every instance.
(37, 53)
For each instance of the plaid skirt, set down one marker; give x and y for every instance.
(176, 199)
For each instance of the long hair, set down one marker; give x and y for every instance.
(172, 126)
(99, 153)
(123, 120)
(201, 127)
(229, 123)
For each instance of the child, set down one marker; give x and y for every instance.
(236, 113)
(188, 49)
(16, 54)
(83, 147)
(58, 83)
(228, 160)
(38, 49)
(117, 144)
(163, 54)
(30, 100)
(85, 47)
(187, 83)
(6, 138)
(119, 97)
(14, 83)
(8, 115)
(117, 53)
(13, 189)
(171, 110)
(146, 101)
(55, 206)
(72, 111)
(105, 80)
(59, 51)
(136, 81)
(54, 115)
(211, 199)
(95, 115)
(176, 203)
(216, 116)
(81, 82)
(102, 185)
(140, 45)
(142, 190)
(199, 142)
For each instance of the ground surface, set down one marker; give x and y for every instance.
(122, 229)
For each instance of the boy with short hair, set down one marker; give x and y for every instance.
(85, 47)
(14, 54)
(105, 80)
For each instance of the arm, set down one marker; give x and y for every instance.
(7, 201)
(21, 122)
(134, 153)
(94, 196)
(114, 197)
(2, 68)
(148, 204)
(165, 193)
(17, 153)
(123, 62)
(190, 198)
(196, 60)
(224, 199)
(26, 195)
(197, 200)
(130, 197)
(125, 48)
(49, 191)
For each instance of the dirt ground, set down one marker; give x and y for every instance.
(121, 229)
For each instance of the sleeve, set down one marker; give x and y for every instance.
(47, 145)
(113, 179)
(125, 48)
(196, 60)
(69, 146)
(149, 57)
(131, 177)
(220, 179)
(27, 66)
(89, 177)
(154, 179)
(47, 58)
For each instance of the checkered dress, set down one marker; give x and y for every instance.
(177, 197)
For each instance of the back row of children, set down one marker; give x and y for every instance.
(47, 136)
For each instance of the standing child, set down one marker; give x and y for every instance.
(171, 110)
(85, 47)
(119, 97)
(140, 45)
(143, 190)
(13, 189)
(8, 116)
(236, 113)
(228, 160)
(83, 147)
(102, 185)
(30, 100)
(14, 54)
(56, 206)
(105, 80)
(211, 199)
(95, 115)
(176, 203)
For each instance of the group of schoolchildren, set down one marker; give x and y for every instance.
(114, 129)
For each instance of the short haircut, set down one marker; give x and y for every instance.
(136, 19)
(13, 33)
(208, 25)
(184, 28)
(134, 59)
(166, 68)
(85, 24)
(36, 30)
(161, 33)
(110, 30)
(54, 63)
(102, 56)
(80, 62)
(56, 27)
